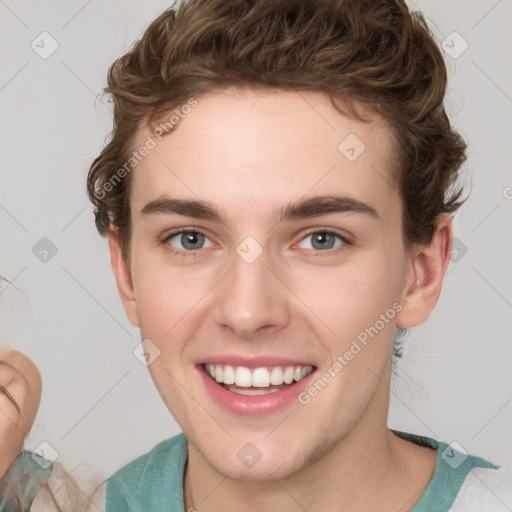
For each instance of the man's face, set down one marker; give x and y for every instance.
(254, 290)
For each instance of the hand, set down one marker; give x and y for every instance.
(20, 395)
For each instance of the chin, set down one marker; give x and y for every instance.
(256, 461)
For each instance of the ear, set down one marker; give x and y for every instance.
(123, 277)
(425, 276)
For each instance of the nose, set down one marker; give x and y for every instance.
(252, 298)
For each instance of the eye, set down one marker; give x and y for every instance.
(185, 241)
(324, 240)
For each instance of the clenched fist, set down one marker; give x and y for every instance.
(20, 394)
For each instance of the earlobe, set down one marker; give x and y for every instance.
(123, 277)
(426, 274)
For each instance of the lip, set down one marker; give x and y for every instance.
(253, 405)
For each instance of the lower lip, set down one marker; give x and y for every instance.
(255, 405)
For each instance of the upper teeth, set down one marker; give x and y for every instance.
(257, 377)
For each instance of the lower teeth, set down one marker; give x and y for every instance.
(254, 391)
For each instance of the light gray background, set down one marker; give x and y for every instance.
(99, 404)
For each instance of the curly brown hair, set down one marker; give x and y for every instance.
(374, 53)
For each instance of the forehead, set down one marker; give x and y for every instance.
(264, 149)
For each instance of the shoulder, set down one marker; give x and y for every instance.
(485, 489)
(146, 479)
(27, 474)
(157, 457)
(463, 482)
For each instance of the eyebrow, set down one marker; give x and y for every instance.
(303, 209)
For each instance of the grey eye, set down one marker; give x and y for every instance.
(190, 240)
(322, 240)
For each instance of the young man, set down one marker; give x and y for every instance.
(277, 196)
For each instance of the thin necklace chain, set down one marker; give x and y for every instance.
(190, 490)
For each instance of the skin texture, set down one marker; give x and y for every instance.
(249, 153)
(22, 380)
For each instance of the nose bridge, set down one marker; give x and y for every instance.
(251, 297)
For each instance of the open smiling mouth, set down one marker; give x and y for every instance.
(256, 381)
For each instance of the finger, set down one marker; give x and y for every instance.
(4, 390)
(13, 393)
(20, 389)
(9, 365)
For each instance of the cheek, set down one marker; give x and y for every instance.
(164, 295)
(156, 304)
(350, 297)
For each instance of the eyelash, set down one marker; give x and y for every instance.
(164, 242)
